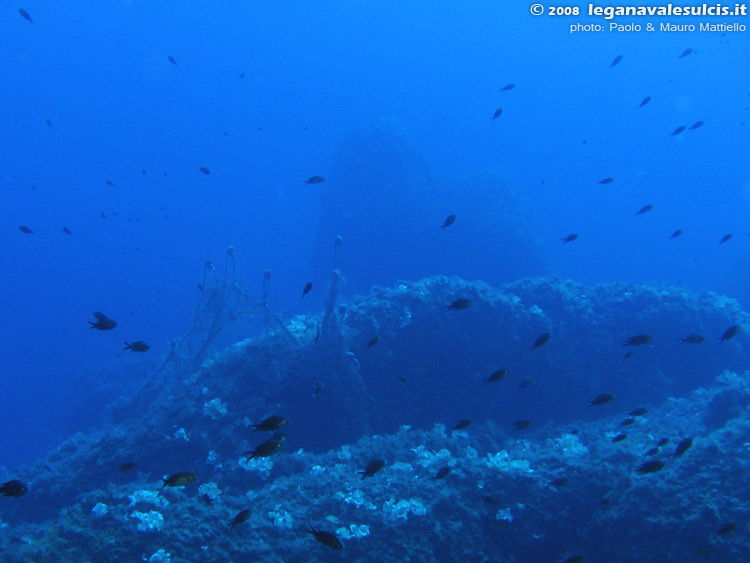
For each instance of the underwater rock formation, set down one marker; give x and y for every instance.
(380, 197)
(335, 382)
(553, 494)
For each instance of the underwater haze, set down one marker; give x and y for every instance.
(160, 159)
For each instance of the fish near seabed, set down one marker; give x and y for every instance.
(602, 399)
(241, 517)
(372, 468)
(180, 479)
(13, 489)
(463, 303)
(270, 424)
(313, 180)
(326, 538)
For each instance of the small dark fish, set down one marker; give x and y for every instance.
(109, 183)
(448, 221)
(25, 229)
(559, 482)
(616, 60)
(66, 230)
(442, 472)
(139, 346)
(725, 238)
(541, 340)
(372, 468)
(241, 517)
(13, 488)
(374, 340)
(462, 303)
(522, 424)
(687, 52)
(207, 500)
(268, 448)
(570, 238)
(646, 100)
(602, 399)
(627, 422)
(180, 479)
(103, 322)
(638, 412)
(270, 424)
(497, 376)
(144, 173)
(306, 289)
(684, 445)
(326, 538)
(127, 466)
(242, 75)
(607, 181)
(692, 339)
(677, 233)
(507, 87)
(677, 131)
(652, 452)
(461, 424)
(628, 355)
(48, 122)
(314, 180)
(489, 500)
(729, 333)
(695, 125)
(619, 438)
(638, 340)
(102, 215)
(170, 58)
(318, 389)
(644, 209)
(200, 287)
(727, 528)
(662, 442)
(526, 383)
(574, 559)
(402, 379)
(205, 170)
(25, 15)
(498, 113)
(650, 466)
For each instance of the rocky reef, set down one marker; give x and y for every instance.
(385, 377)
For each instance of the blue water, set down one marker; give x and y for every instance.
(312, 74)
